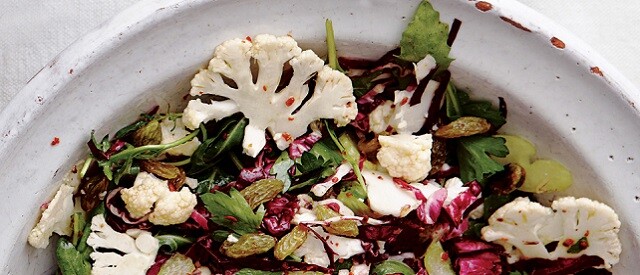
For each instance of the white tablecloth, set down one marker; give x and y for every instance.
(32, 32)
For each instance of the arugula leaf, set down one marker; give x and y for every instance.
(313, 178)
(347, 147)
(218, 177)
(232, 211)
(393, 267)
(473, 157)
(129, 129)
(458, 104)
(363, 84)
(70, 260)
(424, 35)
(210, 151)
(320, 156)
(173, 242)
(280, 169)
(83, 248)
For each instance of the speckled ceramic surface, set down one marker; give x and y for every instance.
(561, 95)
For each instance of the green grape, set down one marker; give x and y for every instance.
(436, 261)
(542, 175)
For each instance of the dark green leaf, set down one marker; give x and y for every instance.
(218, 177)
(494, 201)
(473, 156)
(313, 178)
(129, 129)
(230, 135)
(425, 35)
(82, 245)
(363, 84)
(232, 211)
(70, 261)
(280, 169)
(475, 228)
(392, 267)
(173, 242)
(458, 104)
(220, 235)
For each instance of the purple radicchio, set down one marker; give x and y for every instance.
(279, 213)
(471, 256)
(303, 144)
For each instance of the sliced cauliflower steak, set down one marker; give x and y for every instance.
(56, 218)
(136, 250)
(261, 102)
(524, 228)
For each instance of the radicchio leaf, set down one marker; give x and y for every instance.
(457, 207)
(429, 211)
(303, 144)
(278, 215)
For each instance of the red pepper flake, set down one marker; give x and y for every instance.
(291, 118)
(231, 218)
(444, 256)
(248, 38)
(349, 195)
(500, 219)
(264, 88)
(55, 141)
(44, 206)
(380, 177)
(172, 187)
(583, 243)
(531, 243)
(225, 135)
(568, 242)
(586, 234)
(286, 136)
(290, 101)
(70, 71)
(404, 101)
(335, 179)
(74, 170)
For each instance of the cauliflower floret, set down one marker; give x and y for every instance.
(56, 218)
(406, 156)
(173, 130)
(152, 194)
(524, 228)
(137, 249)
(262, 102)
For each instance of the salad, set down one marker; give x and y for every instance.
(282, 163)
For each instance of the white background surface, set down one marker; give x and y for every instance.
(32, 32)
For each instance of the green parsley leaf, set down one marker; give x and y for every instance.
(70, 260)
(473, 157)
(173, 242)
(211, 150)
(424, 35)
(218, 177)
(232, 211)
(458, 104)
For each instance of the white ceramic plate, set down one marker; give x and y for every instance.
(562, 95)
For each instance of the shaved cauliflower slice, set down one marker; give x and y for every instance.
(151, 195)
(524, 228)
(263, 102)
(173, 130)
(137, 249)
(406, 156)
(56, 218)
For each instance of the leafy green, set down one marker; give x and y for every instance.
(218, 177)
(313, 177)
(232, 211)
(221, 235)
(495, 201)
(347, 147)
(473, 157)
(580, 245)
(353, 195)
(129, 129)
(229, 135)
(363, 84)
(331, 47)
(70, 260)
(173, 242)
(82, 245)
(281, 169)
(424, 35)
(458, 104)
(249, 271)
(475, 228)
(392, 267)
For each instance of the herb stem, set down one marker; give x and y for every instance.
(236, 161)
(180, 163)
(86, 165)
(151, 148)
(331, 47)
